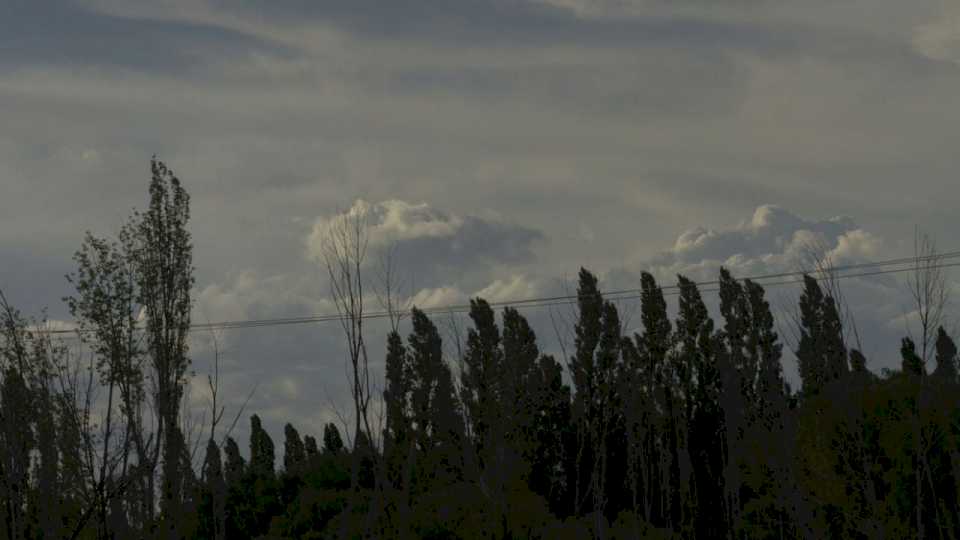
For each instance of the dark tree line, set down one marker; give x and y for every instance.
(685, 429)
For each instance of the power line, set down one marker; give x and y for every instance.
(623, 294)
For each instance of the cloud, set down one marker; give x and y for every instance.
(757, 26)
(248, 295)
(431, 245)
(939, 38)
(64, 33)
(517, 287)
(606, 125)
(438, 297)
(388, 222)
(774, 240)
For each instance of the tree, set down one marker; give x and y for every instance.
(583, 372)
(260, 486)
(946, 369)
(398, 444)
(927, 284)
(735, 373)
(344, 250)
(105, 307)
(665, 377)
(479, 383)
(767, 468)
(332, 443)
(436, 423)
(163, 252)
(17, 434)
(821, 352)
(519, 391)
(47, 443)
(234, 467)
(858, 362)
(294, 452)
(695, 336)
(552, 433)
(771, 389)
(594, 368)
(215, 488)
(912, 362)
(310, 446)
(499, 390)
(261, 450)
(239, 500)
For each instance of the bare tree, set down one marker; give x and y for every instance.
(391, 290)
(927, 283)
(344, 250)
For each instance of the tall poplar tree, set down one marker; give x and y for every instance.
(821, 352)
(594, 368)
(164, 269)
(695, 337)
(437, 424)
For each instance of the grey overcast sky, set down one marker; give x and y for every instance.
(501, 143)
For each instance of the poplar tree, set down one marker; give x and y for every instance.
(294, 452)
(594, 368)
(667, 427)
(164, 270)
(552, 435)
(310, 446)
(946, 357)
(912, 364)
(519, 390)
(436, 423)
(694, 330)
(215, 492)
(234, 467)
(262, 456)
(821, 352)
(480, 384)
(332, 442)
(735, 390)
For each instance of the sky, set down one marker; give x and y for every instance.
(499, 144)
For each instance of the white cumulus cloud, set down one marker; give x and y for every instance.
(430, 244)
(774, 240)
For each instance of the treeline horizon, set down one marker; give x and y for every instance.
(685, 429)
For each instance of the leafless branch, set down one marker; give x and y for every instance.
(927, 284)
(239, 414)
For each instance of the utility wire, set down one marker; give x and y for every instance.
(624, 294)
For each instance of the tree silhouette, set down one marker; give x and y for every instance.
(685, 429)
(332, 443)
(946, 357)
(294, 453)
